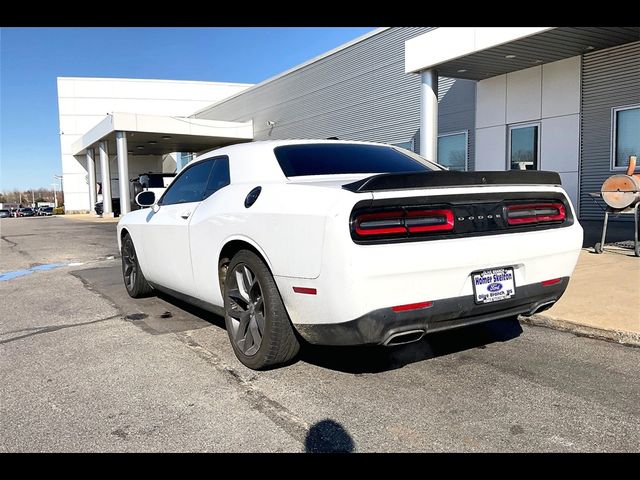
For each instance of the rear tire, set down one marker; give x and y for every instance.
(134, 281)
(257, 322)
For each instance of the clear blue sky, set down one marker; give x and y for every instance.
(32, 58)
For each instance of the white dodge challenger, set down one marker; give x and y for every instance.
(348, 243)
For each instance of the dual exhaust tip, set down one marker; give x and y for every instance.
(402, 338)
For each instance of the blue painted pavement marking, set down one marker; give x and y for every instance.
(21, 273)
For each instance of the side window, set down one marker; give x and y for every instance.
(219, 176)
(190, 185)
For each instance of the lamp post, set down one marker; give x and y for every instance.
(55, 197)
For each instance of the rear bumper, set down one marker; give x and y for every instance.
(380, 326)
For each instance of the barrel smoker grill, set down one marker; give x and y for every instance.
(621, 193)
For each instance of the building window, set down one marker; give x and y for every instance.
(524, 146)
(625, 135)
(183, 159)
(452, 150)
(408, 145)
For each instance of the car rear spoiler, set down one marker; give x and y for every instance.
(448, 178)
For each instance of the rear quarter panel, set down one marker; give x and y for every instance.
(286, 225)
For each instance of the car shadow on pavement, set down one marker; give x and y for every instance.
(379, 359)
(207, 316)
(376, 359)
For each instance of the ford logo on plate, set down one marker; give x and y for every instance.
(495, 287)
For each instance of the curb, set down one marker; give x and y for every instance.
(87, 218)
(615, 336)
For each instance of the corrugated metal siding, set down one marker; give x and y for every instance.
(358, 93)
(610, 78)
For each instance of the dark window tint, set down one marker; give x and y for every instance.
(190, 184)
(219, 176)
(335, 159)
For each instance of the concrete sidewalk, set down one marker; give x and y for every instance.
(602, 300)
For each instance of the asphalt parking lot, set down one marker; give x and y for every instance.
(86, 368)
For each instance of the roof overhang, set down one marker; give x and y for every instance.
(159, 135)
(476, 53)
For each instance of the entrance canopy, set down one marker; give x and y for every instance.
(143, 135)
(476, 53)
(159, 135)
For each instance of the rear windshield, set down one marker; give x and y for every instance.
(344, 158)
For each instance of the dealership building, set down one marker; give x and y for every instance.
(565, 99)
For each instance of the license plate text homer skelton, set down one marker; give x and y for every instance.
(493, 285)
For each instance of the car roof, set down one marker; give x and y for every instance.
(256, 161)
(262, 145)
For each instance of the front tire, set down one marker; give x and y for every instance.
(257, 322)
(134, 281)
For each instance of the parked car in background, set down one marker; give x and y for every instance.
(5, 213)
(26, 212)
(45, 211)
(349, 243)
(115, 207)
(150, 182)
(154, 182)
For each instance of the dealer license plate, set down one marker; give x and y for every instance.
(493, 285)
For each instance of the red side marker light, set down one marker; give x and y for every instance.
(308, 291)
(412, 306)
(553, 281)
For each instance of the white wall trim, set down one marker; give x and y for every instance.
(449, 43)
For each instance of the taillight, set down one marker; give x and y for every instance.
(382, 223)
(429, 220)
(523, 214)
(403, 222)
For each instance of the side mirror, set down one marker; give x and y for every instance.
(146, 199)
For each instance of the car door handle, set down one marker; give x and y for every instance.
(185, 215)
